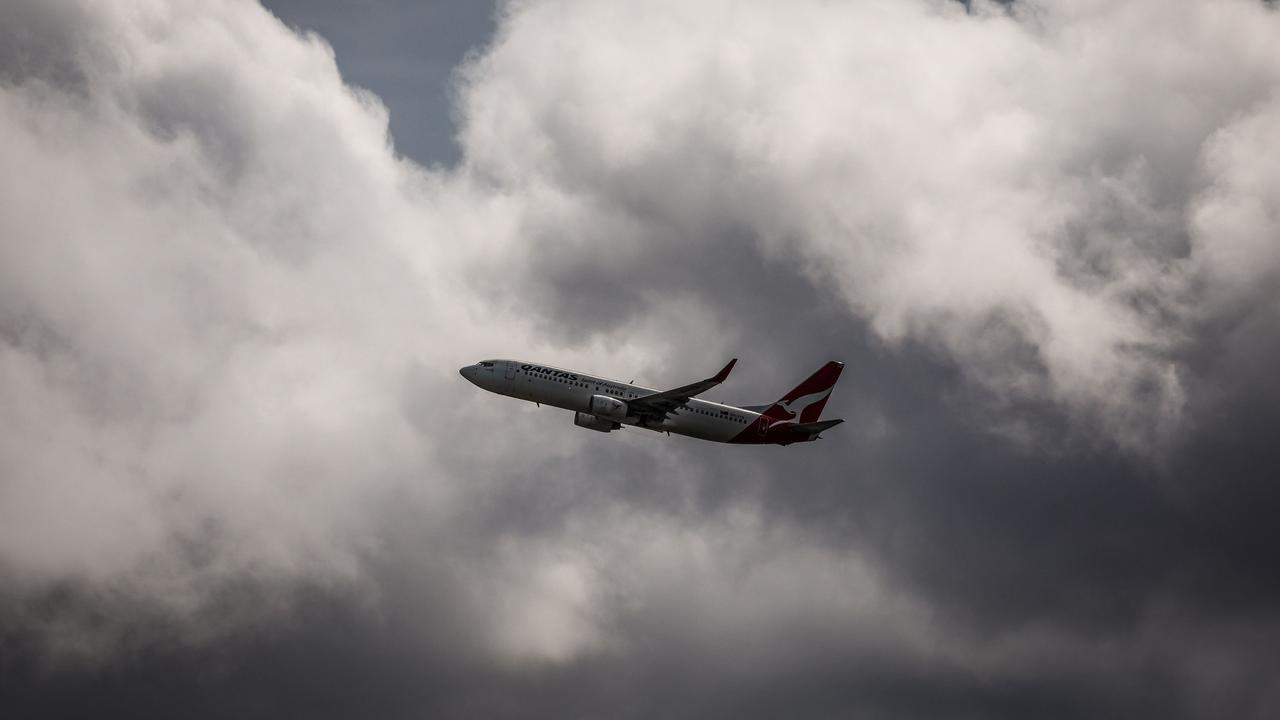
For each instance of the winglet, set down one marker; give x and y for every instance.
(723, 374)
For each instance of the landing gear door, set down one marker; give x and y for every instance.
(511, 369)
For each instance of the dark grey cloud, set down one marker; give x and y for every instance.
(1045, 250)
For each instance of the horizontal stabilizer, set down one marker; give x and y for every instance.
(814, 428)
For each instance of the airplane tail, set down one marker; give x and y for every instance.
(805, 401)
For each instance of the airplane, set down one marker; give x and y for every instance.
(606, 405)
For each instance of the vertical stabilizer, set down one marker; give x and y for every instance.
(805, 402)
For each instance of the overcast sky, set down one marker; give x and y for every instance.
(244, 250)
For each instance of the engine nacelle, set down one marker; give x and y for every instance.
(607, 407)
(591, 422)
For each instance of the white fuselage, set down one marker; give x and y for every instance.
(570, 390)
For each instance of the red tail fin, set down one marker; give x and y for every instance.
(804, 403)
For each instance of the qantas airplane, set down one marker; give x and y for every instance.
(606, 405)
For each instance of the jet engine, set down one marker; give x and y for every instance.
(607, 407)
(591, 422)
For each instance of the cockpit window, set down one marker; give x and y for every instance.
(486, 363)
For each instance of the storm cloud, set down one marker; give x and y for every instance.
(238, 464)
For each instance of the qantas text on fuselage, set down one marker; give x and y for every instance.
(606, 405)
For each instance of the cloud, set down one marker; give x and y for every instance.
(231, 317)
(1233, 220)
(214, 295)
(1011, 187)
(224, 351)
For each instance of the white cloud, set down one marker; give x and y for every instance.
(230, 324)
(1235, 223)
(215, 284)
(230, 318)
(1013, 188)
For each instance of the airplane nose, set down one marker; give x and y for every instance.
(467, 371)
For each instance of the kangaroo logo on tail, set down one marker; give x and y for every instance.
(796, 408)
(805, 402)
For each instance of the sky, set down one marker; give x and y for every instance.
(245, 249)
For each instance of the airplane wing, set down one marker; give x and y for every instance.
(653, 409)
